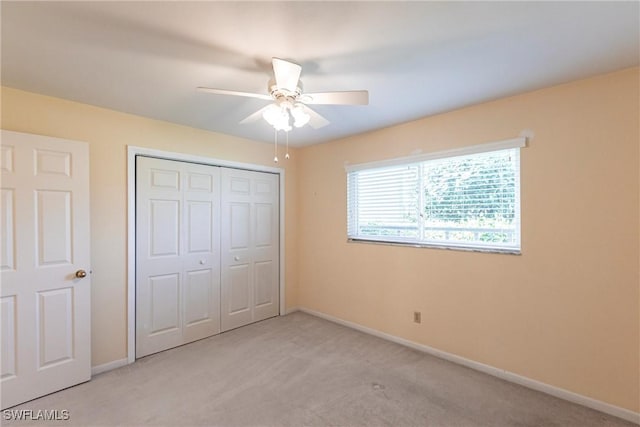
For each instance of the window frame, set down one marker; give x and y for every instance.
(514, 143)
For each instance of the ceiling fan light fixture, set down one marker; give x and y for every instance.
(271, 113)
(278, 117)
(300, 117)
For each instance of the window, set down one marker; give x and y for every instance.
(464, 199)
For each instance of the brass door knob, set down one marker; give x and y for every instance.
(80, 274)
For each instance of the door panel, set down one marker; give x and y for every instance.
(158, 262)
(250, 249)
(199, 222)
(264, 222)
(164, 227)
(8, 230)
(9, 350)
(240, 226)
(53, 227)
(165, 303)
(201, 258)
(6, 161)
(239, 185)
(165, 179)
(199, 182)
(198, 306)
(177, 253)
(46, 313)
(52, 162)
(263, 291)
(239, 293)
(55, 326)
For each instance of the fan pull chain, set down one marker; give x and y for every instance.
(275, 146)
(286, 156)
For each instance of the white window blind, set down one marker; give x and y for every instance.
(467, 201)
(385, 202)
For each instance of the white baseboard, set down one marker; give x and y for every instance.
(589, 402)
(95, 370)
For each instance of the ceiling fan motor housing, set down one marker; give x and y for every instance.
(282, 94)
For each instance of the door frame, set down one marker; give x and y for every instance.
(132, 152)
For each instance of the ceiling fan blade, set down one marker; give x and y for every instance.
(286, 73)
(316, 121)
(235, 93)
(350, 97)
(254, 117)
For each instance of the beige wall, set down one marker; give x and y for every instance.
(108, 134)
(565, 312)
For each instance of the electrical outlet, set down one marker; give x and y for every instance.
(417, 317)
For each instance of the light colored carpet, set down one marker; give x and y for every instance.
(301, 370)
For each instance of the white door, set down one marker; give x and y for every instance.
(177, 253)
(250, 247)
(45, 301)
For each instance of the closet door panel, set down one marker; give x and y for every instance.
(250, 248)
(177, 253)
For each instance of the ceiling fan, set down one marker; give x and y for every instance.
(289, 102)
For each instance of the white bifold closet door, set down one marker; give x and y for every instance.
(177, 253)
(250, 247)
(207, 251)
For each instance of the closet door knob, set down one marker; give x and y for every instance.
(81, 274)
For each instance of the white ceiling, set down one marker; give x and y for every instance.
(415, 58)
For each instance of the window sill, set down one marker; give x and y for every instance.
(434, 246)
